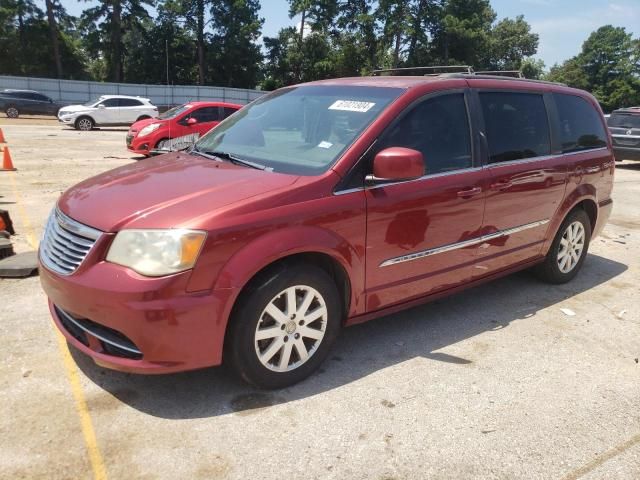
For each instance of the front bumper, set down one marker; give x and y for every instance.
(171, 329)
(67, 120)
(140, 146)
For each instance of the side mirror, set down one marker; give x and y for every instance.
(396, 164)
(192, 121)
(101, 106)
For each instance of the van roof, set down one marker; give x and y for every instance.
(410, 81)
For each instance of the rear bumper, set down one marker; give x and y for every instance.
(172, 330)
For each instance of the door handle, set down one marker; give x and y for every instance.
(501, 185)
(469, 192)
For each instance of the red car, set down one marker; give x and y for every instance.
(189, 120)
(320, 206)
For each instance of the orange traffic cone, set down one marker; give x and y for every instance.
(7, 164)
(2, 140)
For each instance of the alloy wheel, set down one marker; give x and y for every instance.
(571, 247)
(291, 328)
(12, 112)
(85, 124)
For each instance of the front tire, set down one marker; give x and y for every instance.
(568, 250)
(12, 112)
(84, 123)
(284, 326)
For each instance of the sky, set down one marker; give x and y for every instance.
(563, 25)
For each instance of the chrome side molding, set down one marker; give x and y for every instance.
(466, 243)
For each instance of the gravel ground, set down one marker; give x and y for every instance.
(496, 382)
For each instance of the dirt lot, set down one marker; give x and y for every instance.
(496, 382)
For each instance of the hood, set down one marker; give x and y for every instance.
(75, 108)
(165, 192)
(140, 124)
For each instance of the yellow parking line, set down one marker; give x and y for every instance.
(89, 434)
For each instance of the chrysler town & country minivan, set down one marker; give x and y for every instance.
(320, 206)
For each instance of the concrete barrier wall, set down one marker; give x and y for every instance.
(76, 91)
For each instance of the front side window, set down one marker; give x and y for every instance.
(516, 125)
(206, 114)
(299, 130)
(439, 128)
(109, 102)
(580, 124)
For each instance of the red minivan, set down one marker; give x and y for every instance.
(320, 206)
(192, 119)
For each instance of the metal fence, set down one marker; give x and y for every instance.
(75, 91)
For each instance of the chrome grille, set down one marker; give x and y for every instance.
(66, 243)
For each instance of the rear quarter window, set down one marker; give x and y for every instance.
(581, 127)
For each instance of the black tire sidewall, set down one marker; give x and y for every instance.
(240, 348)
(551, 268)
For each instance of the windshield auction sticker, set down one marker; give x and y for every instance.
(351, 106)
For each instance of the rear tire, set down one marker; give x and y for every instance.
(12, 112)
(283, 326)
(84, 123)
(568, 250)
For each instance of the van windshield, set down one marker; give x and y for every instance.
(299, 130)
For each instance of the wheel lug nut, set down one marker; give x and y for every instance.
(286, 338)
(282, 327)
(301, 322)
(296, 336)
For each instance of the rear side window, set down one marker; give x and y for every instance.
(129, 102)
(624, 120)
(439, 128)
(580, 125)
(228, 111)
(517, 125)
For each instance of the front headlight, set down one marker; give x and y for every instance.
(149, 129)
(156, 252)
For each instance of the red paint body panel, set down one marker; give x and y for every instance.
(254, 218)
(170, 128)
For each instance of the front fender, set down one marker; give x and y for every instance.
(281, 243)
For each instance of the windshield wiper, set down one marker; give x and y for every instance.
(240, 161)
(195, 151)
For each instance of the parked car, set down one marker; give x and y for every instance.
(108, 110)
(191, 120)
(16, 102)
(320, 206)
(624, 125)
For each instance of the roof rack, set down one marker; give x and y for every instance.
(502, 73)
(475, 76)
(461, 69)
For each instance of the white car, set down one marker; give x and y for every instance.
(108, 110)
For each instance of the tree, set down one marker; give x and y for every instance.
(104, 25)
(511, 41)
(53, 31)
(235, 52)
(608, 66)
